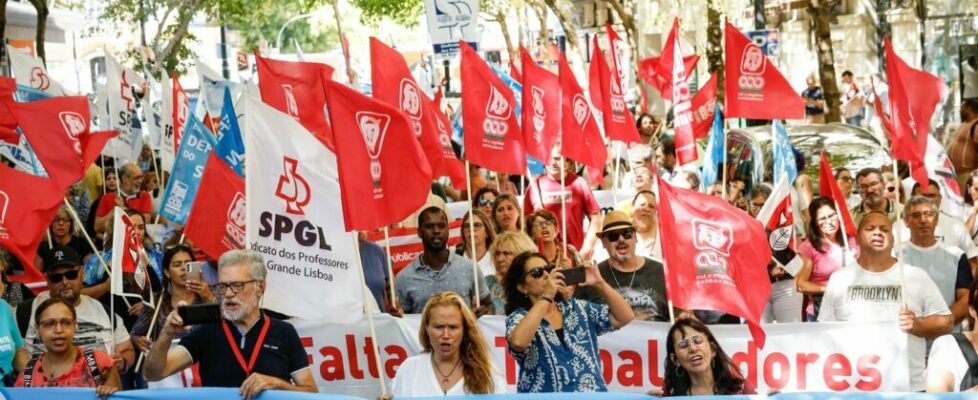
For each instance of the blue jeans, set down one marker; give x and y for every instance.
(855, 121)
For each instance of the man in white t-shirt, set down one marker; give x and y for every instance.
(945, 264)
(950, 231)
(874, 291)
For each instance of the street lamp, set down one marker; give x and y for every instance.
(278, 40)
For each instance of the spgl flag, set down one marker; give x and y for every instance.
(384, 175)
(294, 219)
(230, 147)
(128, 269)
(182, 188)
(541, 108)
(121, 102)
(779, 223)
(217, 220)
(31, 73)
(707, 266)
(754, 87)
(492, 134)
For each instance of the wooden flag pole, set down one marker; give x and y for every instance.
(563, 207)
(475, 264)
(149, 333)
(370, 316)
(899, 243)
(390, 265)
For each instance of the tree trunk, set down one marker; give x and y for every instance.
(714, 45)
(42, 20)
(821, 30)
(165, 55)
(514, 55)
(563, 9)
(540, 10)
(3, 22)
(627, 16)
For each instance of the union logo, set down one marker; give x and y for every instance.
(291, 106)
(713, 241)
(74, 125)
(292, 187)
(411, 104)
(373, 128)
(581, 111)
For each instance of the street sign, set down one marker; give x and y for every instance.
(767, 40)
(450, 21)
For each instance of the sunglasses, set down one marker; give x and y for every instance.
(58, 277)
(614, 235)
(484, 202)
(538, 271)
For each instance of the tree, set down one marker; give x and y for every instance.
(41, 6)
(714, 44)
(404, 12)
(821, 15)
(498, 10)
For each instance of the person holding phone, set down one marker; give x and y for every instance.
(245, 348)
(555, 339)
(640, 280)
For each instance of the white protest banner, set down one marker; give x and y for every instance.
(812, 357)
(451, 21)
(295, 219)
(121, 105)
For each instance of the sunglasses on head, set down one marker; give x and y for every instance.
(538, 271)
(614, 235)
(58, 277)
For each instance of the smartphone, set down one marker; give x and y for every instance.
(574, 276)
(199, 314)
(195, 271)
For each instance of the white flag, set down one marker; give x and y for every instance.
(212, 84)
(126, 259)
(168, 145)
(295, 219)
(30, 72)
(122, 105)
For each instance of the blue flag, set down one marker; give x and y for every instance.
(714, 150)
(230, 147)
(188, 169)
(784, 158)
(27, 94)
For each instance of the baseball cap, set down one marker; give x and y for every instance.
(60, 256)
(616, 220)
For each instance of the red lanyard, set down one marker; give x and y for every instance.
(254, 352)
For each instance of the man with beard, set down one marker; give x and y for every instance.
(877, 289)
(640, 280)
(64, 275)
(870, 184)
(247, 349)
(438, 270)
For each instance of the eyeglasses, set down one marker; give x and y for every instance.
(697, 340)
(538, 271)
(923, 214)
(58, 277)
(52, 323)
(540, 223)
(64, 220)
(828, 218)
(614, 235)
(236, 287)
(478, 225)
(484, 202)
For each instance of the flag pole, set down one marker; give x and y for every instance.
(390, 265)
(529, 177)
(723, 178)
(617, 185)
(563, 207)
(149, 332)
(98, 254)
(475, 264)
(370, 317)
(899, 243)
(345, 48)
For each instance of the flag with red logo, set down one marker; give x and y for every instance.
(175, 111)
(618, 121)
(754, 88)
(27, 206)
(129, 274)
(119, 83)
(296, 88)
(682, 108)
(393, 84)
(541, 108)
(779, 223)
(704, 106)
(580, 136)
(293, 219)
(621, 56)
(58, 130)
(30, 71)
(217, 221)
(384, 175)
(708, 267)
(649, 70)
(914, 95)
(492, 134)
(828, 187)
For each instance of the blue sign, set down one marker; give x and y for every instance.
(195, 145)
(767, 40)
(230, 147)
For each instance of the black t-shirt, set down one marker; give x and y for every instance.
(77, 244)
(281, 353)
(643, 289)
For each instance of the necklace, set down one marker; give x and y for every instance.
(614, 274)
(444, 377)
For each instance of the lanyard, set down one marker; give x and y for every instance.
(254, 352)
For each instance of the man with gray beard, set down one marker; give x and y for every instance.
(641, 281)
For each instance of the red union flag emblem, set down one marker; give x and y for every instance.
(236, 219)
(373, 127)
(497, 112)
(752, 65)
(291, 105)
(713, 241)
(292, 187)
(581, 111)
(74, 125)
(539, 114)
(411, 104)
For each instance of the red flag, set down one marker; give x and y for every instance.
(541, 108)
(296, 88)
(707, 266)
(648, 69)
(828, 187)
(682, 107)
(57, 129)
(754, 87)
(492, 134)
(217, 222)
(8, 125)
(383, 172)
(620, 57)
(704, 106)
(437, 99)
(884, 118)
(393, 84)
(594, 78)
(27, 206)
(449, 165)
(181, 111)
(618, 121)
(515, 72)
(914, 95)
(580, 137)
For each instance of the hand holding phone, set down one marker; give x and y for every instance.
(574, 276)
(198, 314)
(195, 271)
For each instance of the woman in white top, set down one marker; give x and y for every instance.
(455, 360)
(484, 234)
(947, 366)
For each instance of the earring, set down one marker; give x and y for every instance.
(679, 371)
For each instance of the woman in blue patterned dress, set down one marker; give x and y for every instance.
(555, 340)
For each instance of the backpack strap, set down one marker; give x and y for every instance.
(970, 377)
(29, 370)
(93, 368)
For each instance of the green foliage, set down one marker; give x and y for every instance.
(404, 12)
